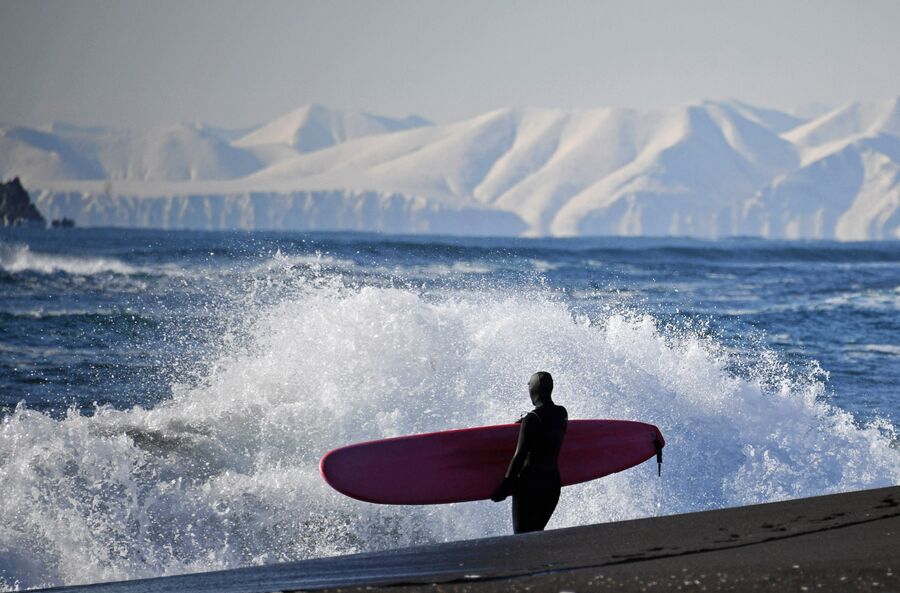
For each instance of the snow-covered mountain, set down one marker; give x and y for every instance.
(562, 171)
(181, 152)
(834, 130)
(172, 153)
(312, 127)
(710, 169)
(852, 193)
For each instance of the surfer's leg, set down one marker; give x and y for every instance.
(522, 513)
(548, 502)
(532, 510)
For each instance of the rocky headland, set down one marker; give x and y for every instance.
(16, 207)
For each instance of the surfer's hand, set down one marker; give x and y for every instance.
(502, 491)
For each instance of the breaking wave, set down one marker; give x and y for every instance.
(224, 473)
(19, 258)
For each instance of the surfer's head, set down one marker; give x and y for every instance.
(540, 386)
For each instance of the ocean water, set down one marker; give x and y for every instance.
(165, 396)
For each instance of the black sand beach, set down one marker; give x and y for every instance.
(841, 542)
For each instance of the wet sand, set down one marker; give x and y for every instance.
(841, 542)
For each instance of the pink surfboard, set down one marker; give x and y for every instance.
(468, 464)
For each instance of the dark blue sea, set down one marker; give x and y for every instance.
(165, 396)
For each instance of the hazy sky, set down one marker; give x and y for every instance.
(241, 63)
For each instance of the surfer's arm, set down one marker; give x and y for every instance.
(522, 447)
(515, 466)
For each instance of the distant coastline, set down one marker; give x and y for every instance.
(712, 169)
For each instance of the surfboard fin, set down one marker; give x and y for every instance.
(659, 448)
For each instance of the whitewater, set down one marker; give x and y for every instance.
(168, 395)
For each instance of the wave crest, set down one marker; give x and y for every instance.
(15, 259)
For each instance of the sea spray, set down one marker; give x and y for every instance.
(224, 473)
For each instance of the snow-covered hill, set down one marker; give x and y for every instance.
(852, 193)
(312, 127)
(562, 171)
(170, 153)
(710, 169)
(181, 152)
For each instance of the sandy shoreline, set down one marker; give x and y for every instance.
(840, 542)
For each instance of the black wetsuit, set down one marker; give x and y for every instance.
(533, 474)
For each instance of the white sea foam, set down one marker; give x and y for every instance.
(19, 258)
(225, 473)
(877, 349)
(887, 299)
(455, 268)
(16, 258)
(542, 266)
(317, 262)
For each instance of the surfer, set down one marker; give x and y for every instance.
(533, 475)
